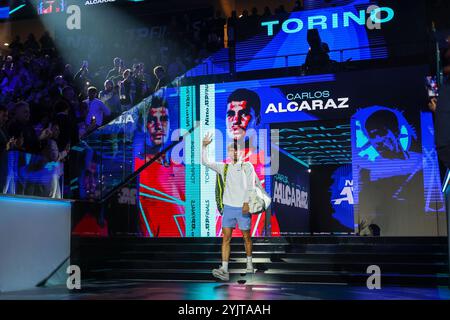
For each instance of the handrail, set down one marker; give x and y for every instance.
(286, 57)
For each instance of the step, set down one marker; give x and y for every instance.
(287, 240)
(269, 276)
(361, 248)
(287, 264)
(276, 256)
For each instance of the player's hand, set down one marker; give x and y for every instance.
(246, 208)
(207, 140)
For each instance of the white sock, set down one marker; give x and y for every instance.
(249, 262)
(225, 266)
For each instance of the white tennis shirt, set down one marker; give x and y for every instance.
(240, 180)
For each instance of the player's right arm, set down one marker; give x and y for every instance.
(217, 167)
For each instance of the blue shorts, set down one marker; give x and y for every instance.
(232, 216)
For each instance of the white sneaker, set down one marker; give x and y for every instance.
(250, 269)
(221, 274)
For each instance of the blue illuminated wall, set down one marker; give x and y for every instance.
(342, 196)
(4, 9)
(434, 199)
(262, 51)
(391, 179)
(395, 172)
(354, 37)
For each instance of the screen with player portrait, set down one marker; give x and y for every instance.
(363, 132)
(156, 198)
(335, 158)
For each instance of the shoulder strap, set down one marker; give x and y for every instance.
(225, 171)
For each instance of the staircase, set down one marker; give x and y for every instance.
(339, 260)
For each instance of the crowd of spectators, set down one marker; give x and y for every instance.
(37, 86)
(47, 104)
(241, 26)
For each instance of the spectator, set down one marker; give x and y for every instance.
(20, 127)
(31, 43)
(46, 42)
(317, 59)
(141, 87)
(244, 14)
(41, 177)
(96, 109)
(16, 45)
(231, 27)
(4, 138)
(267, 13)
(127, 90)
(280, 10)
(52, 153)
(110, 97)
(298, 6)
(66, 120)
(160, 75)
(219, 26)
(57, 87)
(82, 79)
(68, 75)
(5, 145)
(255, 12)
(5, 142)
(116, 71)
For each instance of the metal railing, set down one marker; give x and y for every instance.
(208, 65)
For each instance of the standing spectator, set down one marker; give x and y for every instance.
(83, 79)
(96, 109)
(116, 71)
(66, 120)
(280, 10)
(51, 153)
(16, 45)
(126, 90)
(298, 6)
(5, 145)
(219, 26)
(267, 13)
(232, 33)
(141, 83)
(110, 97)
(31, 43)
(68, 74)
(20, 127)
(4, 138)
(161, 77)
(42, 175)
(46, 42)
(57, 87)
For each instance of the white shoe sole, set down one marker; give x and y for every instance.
(220, 275)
